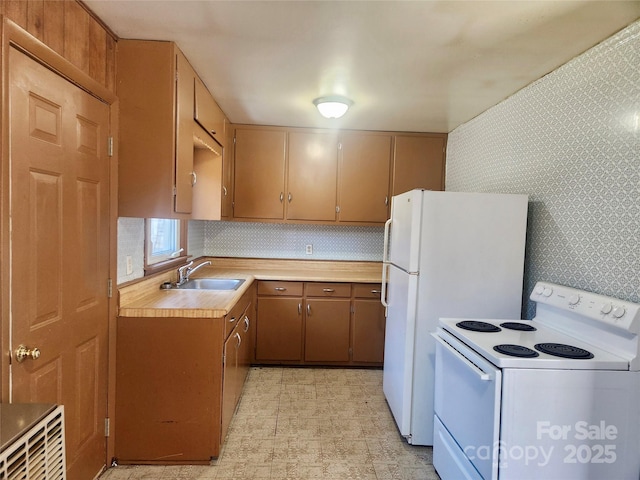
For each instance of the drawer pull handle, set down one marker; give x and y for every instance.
(308, 309)
(232, 320)
(246, 324)
(376, 292)
(328, 290)
(299, 308)
(237, 335)
(280, 289)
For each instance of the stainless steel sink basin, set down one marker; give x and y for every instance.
(212, 284)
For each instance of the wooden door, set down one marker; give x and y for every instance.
(327, 330)
(60, 253)
(259, 174)
(311, 179)
(418, 162)
(363, 183)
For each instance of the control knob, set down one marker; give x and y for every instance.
(574, 299)
(618, 312)
(547, 291)
(606, 308)
(539, 289)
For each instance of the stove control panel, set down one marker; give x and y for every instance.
(609, 310)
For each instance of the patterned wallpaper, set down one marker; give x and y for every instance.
(130, 243)
(571, 141)
(271, 240)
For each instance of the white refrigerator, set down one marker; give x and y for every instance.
(446, 254)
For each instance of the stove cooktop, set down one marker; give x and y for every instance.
(527, 344)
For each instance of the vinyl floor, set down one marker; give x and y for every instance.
(306, 423)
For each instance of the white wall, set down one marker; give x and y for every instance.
(572, 142)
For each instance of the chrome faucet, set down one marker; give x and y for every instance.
(186, 270)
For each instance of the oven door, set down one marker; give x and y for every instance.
(467, 403)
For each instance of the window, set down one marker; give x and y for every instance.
(165, 241)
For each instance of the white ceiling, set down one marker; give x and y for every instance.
(424, 66)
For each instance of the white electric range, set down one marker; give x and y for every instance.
(557, 397)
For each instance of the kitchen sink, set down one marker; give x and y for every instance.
(212, 284)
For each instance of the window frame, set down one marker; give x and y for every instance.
(169, 263)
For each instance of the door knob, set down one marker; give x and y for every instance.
(22, 353)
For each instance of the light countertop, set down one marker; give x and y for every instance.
(146, 299)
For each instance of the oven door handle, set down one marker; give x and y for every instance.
(472, 366)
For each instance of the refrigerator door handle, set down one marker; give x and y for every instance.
(385, 249)
(383, 295)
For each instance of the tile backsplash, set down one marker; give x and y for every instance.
(271, 240)
(256, 240)
(571, 141)
(130, 243)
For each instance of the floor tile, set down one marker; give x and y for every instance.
(306, 424)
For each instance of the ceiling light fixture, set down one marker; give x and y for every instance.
(332, 107)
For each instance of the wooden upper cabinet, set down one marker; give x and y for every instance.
(146, 88)
(418, 162)
(208, 114)
(259, 174)
(185, 175)
(363, 180)
(312, 173)
(227, 176)
(169, 166)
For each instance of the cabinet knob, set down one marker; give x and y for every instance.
(289, 197)
(281, 197)
(194, 178)
(308, 309)
(224, 189)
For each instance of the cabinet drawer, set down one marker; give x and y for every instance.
(328, 289)
(367, 290)
(280, 288)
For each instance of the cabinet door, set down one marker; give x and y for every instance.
(279, 329)
(185, 175)
(418, 162)
(230, 380)
(368, 331)
(363, 192)
(208, 114)
(313, 169)
(244, 353)
(259, 174)
(146, 144)
(227, 176)
(327, 330)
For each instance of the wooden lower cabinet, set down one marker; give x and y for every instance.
(279, 329)
(178, 382)
(319, 324)
(235, 364)
(327, 330)
(367, 331)
(168, 389)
